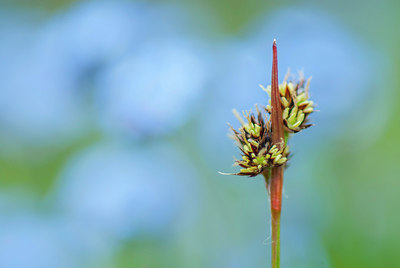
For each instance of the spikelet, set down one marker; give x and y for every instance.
(254, 141)
(295, 102)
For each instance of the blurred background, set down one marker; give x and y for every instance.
(113, 127)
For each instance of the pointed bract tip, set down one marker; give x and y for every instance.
(226, 174)
(274, 49)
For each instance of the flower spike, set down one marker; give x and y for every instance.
(254, 141)
(295, 103)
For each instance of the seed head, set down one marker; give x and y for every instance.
(254, 141)
(295, 103)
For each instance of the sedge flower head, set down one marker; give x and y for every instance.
(295, 102)
(253, 138)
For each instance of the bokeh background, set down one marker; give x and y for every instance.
(113, 127)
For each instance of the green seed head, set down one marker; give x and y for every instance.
(295, 103)
(254, 140)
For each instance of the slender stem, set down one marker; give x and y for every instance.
(276, 204)
(276, 181)
(276, 239)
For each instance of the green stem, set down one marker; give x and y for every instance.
(276, 184)
(276, 219)
(286, 137)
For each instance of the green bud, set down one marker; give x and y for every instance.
(247, 148)
(273, 149)
(285, 113)
(300, 119)
(282, 88)
(257, 129)
(295, 125)
(248, 170)
(308, 110)
(301, 97)
(281, 161)
(277, 158)
(300, 116)
(286, 150)
(253, 142)
(293, 116)
(284, 102)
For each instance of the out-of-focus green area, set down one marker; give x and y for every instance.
(113, 127)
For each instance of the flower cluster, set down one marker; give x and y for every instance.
(253, 137)
(295, 103)
(254, 140)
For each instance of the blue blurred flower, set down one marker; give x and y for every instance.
(46, 235)
(30, 239)
(98, 31)
(37, 102)
(148, 71)
(303, 246)
(123, 193)
(32, 242)
(146, 81)
(154, 89)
